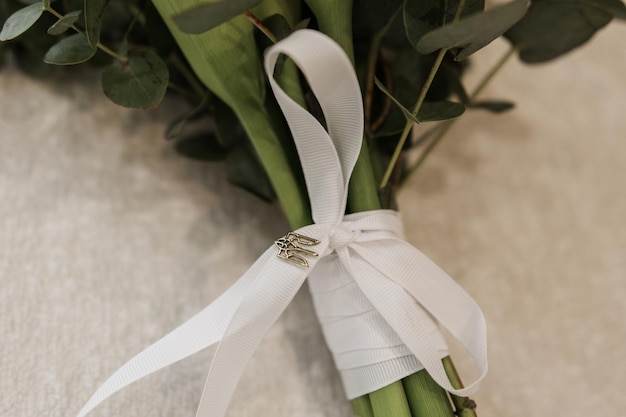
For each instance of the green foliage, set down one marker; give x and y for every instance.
(139, 83)
(20, 21)
(64, 23)
(423, 16)
(472, 33)
(201, 147)
(94, 12)
(576, 21)
(206, 16)
(494, 106)
(71, 50)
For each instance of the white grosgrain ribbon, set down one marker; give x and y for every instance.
(377, 297)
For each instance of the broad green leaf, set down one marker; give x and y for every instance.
(20, 21)
(423, 16)
(574, 21)
(64, 23)
(494, 106)
(94, 10)
(69, 51)
(139, 83)
(205, 16)
(227, 61)
(474, 32)
(201, 147)
(244, 170)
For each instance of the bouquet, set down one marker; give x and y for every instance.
(404, 52)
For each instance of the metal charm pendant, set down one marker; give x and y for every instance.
(289, 250)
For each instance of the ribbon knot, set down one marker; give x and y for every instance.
(340, 236)
(378, 303)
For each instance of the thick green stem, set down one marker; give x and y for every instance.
(362, 407)
(390, 401)
(426, 397)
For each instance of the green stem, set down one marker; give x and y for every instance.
(362, 407)
(448, 125)
(99, 45)
(259, 25)
(465, 407)
(409, 124)
(390, 401)
(426, 398)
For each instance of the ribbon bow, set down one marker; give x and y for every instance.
(375, 294)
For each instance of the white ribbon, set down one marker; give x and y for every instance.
(376, 295)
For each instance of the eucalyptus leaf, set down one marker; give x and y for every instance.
(64, 23)
(407, 113)
(228, 129)
(423, 16)
(474, 32)
(614, 7)
(494, 106)
(574, 21)
(71, 50)
(206, 16)
(201, 147)
(20, 21)
(435, 111)
(94, 10)
(139, 83)
(244, 170)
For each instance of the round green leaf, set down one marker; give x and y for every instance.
(139, 83)
(69, 51)
(206, 16)
(439, 110)
(574, 21)
(20, 21)
(473, 32)
(64, 23)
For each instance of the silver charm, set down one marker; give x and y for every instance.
(289, 250)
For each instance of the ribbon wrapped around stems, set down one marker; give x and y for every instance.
(377, 297)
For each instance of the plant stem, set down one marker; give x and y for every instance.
(409, 124)
(446, 127)
(99, 45)
(465, 407)
(362, 407)
(421, 391)
(390, 401)
(259, 25)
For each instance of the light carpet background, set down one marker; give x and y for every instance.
(108, 240)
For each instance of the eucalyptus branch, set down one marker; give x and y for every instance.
(448, 125)
(99, 45)
(418, 105)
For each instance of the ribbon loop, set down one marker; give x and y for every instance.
(378, 298)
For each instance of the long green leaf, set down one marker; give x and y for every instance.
(71, 50)
(20, 21)
(94, 10)
(474, 32)
(205, 16)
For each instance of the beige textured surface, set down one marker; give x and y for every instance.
(108, 240)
